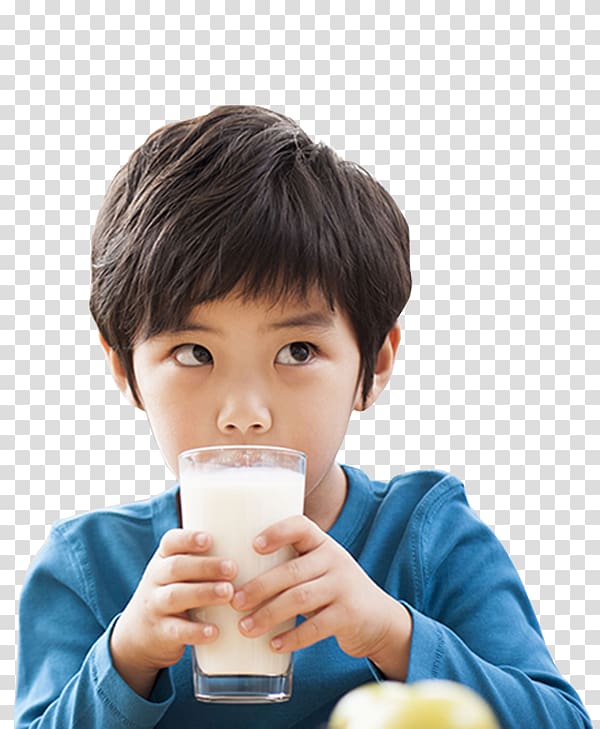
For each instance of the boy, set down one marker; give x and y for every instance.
(246, 284)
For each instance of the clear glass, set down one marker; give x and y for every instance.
(233, 493)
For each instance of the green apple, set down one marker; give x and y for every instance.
(373, 705)
(433, 704)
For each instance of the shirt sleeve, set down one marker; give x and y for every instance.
(473, 622)
(66, 677)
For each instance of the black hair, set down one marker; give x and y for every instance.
(242, 198)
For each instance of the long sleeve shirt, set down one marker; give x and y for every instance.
(417, 538)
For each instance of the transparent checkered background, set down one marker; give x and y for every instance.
(484, 125)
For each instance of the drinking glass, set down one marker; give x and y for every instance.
(233, 493)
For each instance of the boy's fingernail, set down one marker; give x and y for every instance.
(201, 539)
(226, 567)
(276, 643)
(222, 589)
(260, 542)
(247, 624)
(239, 599)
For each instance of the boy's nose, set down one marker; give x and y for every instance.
(244, 417)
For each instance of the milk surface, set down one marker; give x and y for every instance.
(234, 505)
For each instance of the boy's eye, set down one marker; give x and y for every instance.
(295, 353)
(192, 355)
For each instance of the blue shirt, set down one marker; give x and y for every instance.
(417, 538)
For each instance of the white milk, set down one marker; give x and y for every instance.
(234, 505)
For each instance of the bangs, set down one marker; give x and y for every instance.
(274, 237)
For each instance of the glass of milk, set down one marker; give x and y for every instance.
(233, 493)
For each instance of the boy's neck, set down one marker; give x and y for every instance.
(324, 504)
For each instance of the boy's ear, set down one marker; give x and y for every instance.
(384, 366)
(118, 372)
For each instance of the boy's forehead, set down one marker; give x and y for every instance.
(310, 310)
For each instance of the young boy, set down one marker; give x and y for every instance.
(246, 284)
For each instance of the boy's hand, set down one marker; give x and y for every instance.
(328, 587)
(154, 628)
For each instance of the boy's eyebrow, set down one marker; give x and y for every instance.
(315, 319)
(188, 326)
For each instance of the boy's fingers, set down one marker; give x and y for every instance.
(179, 598)
(298, 531)
(305, 599)
(273, 582)
(183, 541)
(187, 632)
(193, 568)
(318, 627)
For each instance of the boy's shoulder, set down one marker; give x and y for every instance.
(101, 555)
(425, 480)
(135, 518)
(411, 486)
(430, 489)
(410, 503)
